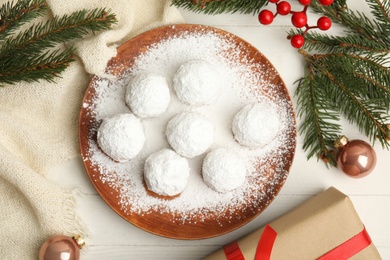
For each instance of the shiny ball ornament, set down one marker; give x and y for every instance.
(356, 158)
(61, 248)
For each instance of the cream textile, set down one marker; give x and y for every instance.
(38, 130)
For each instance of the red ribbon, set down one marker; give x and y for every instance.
(264, 247)
(233, 252)
(266, 242)
(349, 248)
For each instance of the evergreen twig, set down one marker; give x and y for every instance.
(320, 126)
(46, 66)
(59, 29)
(13, 15)
(353, 71)
(221, 6)
(34, 53)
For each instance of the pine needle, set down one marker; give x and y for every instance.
(13, 15)
(350, 73)
(34, 53)
(221, 6)
(47, 66)
(59, 29)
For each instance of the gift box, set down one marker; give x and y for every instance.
(326, 227)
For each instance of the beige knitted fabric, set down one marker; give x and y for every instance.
(38, 130)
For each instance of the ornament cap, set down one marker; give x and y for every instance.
(341, 141)
(79, 241)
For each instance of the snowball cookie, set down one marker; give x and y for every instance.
(256, 125)
(190, 134)
(121, 137)
(147, 95)
(197, 82)
(166, 173)
(223, 170)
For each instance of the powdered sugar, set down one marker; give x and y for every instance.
(147, 95)
(121, 137)
(255, 125)
(190, 134)
(196, 82)
(245, 82)
(166, 173)
(223, 170)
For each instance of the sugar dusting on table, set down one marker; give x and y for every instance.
(244, 83)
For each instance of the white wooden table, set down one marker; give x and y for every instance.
(114, 238)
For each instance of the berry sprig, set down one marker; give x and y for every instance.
(298, 18)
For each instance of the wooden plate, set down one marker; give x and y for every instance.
(201, 226)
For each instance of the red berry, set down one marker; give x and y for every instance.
(283, 8)
(266, 17)
(299, 19)
(304, 2)
(326, 2)
(324, 23)
(297, 41)
(273, 1)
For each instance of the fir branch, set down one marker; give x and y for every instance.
(355, 22)
(57, 30)
(321, 124)
(381, 11)
(353, 73)
(363, 112)
(326, 92)
(352, 64)
(47, 66)
(315, 41)
(221, 6)
(29, 56)
(13, 15)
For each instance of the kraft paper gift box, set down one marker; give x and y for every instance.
(324, 227)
